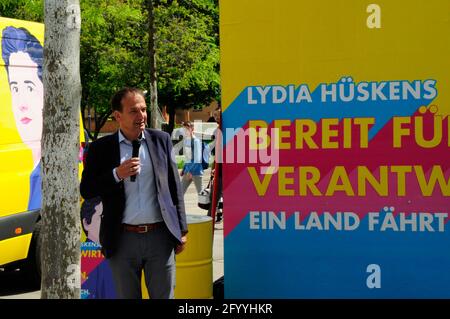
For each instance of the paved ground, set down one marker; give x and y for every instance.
(14, 286)
(190, 200)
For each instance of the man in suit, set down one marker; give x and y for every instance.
(144, 221)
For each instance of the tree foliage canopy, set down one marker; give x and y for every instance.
(114, 49)
(112, 52)
(31, 10)
(187, 52)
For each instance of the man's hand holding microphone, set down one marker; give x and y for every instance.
(131, 166)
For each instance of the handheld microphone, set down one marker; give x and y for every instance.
(136, 145)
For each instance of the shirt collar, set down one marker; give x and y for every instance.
(122, 138)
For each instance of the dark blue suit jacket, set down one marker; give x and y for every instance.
(98, 180)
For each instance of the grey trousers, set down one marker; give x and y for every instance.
(185, 182)
(152, 252)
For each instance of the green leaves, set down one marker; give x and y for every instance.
(111, 52)
(32, 10)
(114, 49)
(187, 53)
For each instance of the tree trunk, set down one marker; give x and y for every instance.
(152, 59)
(60, 146)
(100, 121)
(171, 119)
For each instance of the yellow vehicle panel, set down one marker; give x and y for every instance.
(21, 104)
(14, 249)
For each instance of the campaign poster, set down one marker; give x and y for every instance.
(336, 148)
(96, 275)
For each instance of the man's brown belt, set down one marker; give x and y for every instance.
(143, 228)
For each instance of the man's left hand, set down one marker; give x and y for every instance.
(181, 246)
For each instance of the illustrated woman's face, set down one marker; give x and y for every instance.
(27, 93)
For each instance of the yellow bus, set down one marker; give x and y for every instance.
(21, 104)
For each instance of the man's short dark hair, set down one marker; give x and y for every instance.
(116, 101)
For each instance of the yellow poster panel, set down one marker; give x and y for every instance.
(336, 148)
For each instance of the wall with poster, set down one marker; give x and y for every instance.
(336, 148)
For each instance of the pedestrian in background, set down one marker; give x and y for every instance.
(192, 150)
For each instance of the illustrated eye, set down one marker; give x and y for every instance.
(30, 89)
(14, 89)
